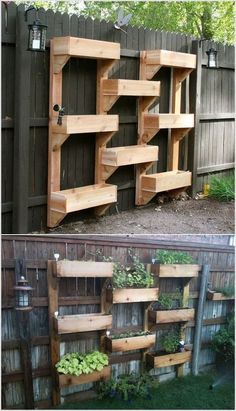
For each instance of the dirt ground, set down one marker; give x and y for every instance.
(205, 216)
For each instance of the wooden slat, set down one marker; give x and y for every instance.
(119, 156)
(82, 322)
(165, 181)
(131, 295)
(131, 88)
(69, 380)
(76, 199)
(179, 270)
(168, 359)
(129, 343)
(171, 316)
(215, 167)
(82, 269)
(86, 124)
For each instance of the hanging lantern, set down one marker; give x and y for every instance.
(23, 295)
(37, 36)
(212, 58)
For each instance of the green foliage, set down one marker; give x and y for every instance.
(129, 334)
(223, 342)
(210, 20)
(173, 257)
(77, 364)
(170, 342)
(127, 387)
(222, 189)
(136, 276)
(227, 291)
(171, 301)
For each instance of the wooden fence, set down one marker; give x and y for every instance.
(25, 84)
(81, 296)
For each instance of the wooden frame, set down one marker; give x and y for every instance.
(70, 380)
(169, 180)
(167, 360)
(67, 324)
(129, 343)
(178, 270)
(171, 316)
(67, 268)
(131, 295)
(215, 296)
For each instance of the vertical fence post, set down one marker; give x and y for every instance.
(21, 126)
(23, 323)
(199, 319)
(195, 104)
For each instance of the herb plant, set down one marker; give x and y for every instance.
(77, 364)
(127, 387)
(173, 257)
(226, 291)
(170, 342)
(130, 334)
(223, 341)
(170, 301)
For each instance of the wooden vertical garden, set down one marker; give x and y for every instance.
(181, 315)
(147, 185)
(65, 324)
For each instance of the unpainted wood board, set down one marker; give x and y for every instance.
(82, 269)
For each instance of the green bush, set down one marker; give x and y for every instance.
(173, 257)
(223, 188)
(223, 341)
(130, 334)
(127, 387)
(77, 364)
(170, 342)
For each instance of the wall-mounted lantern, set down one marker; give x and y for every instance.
(23, 293)
(212, 58)
(37, 33)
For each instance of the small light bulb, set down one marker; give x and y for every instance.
(56, 256)
(108, 333)
(56, 314)
(153, 260)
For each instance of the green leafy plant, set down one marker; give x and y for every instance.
(129, 334)
(173, 257)
(222, 189)
(170, 301)
(170, 342)
(127, 387)
(227, 291)
(77, 364)
(223, 341)
(135, 276)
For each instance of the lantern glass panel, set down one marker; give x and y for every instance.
(23, 298)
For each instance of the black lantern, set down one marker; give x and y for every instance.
(37, 33)
(212, 58)
(23, 295)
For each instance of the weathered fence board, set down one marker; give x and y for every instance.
(24, 182)
(83, 296)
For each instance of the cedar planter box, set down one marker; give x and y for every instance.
(129, 343)
(166, 360)
(213, 295)
(68, 380)
(131, 295)
(176, 270)
(171, 316)
(67, 268)
(67, 324)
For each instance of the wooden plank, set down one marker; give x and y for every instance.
(82, 322)
(165, 181)
(87, 48)
(129, 343)
(86, 124)
(121, 87)
(171, 316)
(131, 295)
(82, 269)
(22, 135)
(215, 167)
(216, 116)
(81, 198)
(215, 296)
(170, 58)
(120, 156)
(168, 359)
(179, 270)
(54, 340)
(69, 380)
